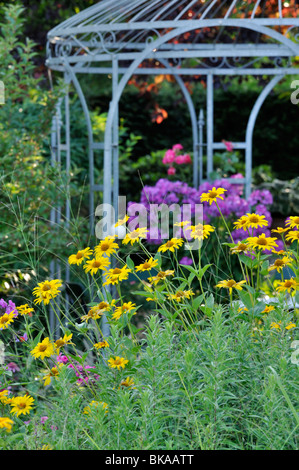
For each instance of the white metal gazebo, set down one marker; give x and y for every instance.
(123, 38)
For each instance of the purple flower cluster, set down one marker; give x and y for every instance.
(8, 308)
(233, 205)
(84, 373)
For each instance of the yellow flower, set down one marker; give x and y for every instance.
(25, 310)
(6, 319)
(161, 276)
(21, 405)
(135, 236)
(44, 349)
(53, 373)
(181, 295)
(59, 343)
(124, 308)
(93, 405)
(96, 312)
(212, 195)
(240, 248)
(108, 246)
(128, 382)
(101, 344)
(288, 285)
(230, 284)
(262, 242)
(122, 221)
(46, 291)
(114, 276)
(275, 325)
(280, 263)
(171, 245)
(45, 447)
(280, 230)
(80, 256)
(268, 309)
(148, 265)
(293, 222)
(4, 397)
(255, 220)
(200, 231)
(6, 423)
(182, 224)
(92, 266)
(241, 223)
(290, 325)
(117, 363)
(293, 235)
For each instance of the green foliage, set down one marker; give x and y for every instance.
(29, 185)
(285, 196)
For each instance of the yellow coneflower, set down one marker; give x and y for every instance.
(212, 195)
(101, 344)
(80, 256)
(293, 222)
(114, 276)
(240, 248)
(126, 307)
(262, 242)
(182, 224)
(44, 349)
(280, 230)
(231, 284)
(255, 220)
(94, 405)
(59, 343)
(147, 265)
(128, 382)
(94, 265)
(275, 325)
(46, 291)
(52, 374)
(241, 223)
(21, 405)
(117, 363)
(293, 235)
(199, 231)
(122, 221)
(171, 245)
(135, 236)
(181, 295)
(96, 312)
(4, 397)
(25, 310)
(280, 263)
(6, 423)
(6, 319)
(288, 285)
(268, 309)
(107, 247)
(161, 276)
(290, 326)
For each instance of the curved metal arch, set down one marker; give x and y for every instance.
(82, 99)
(251, 125)
(192, 113)
(154, 45)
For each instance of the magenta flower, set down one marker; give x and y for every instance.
(12, 366)
(171, 170)
(177, 147)
(228, 145)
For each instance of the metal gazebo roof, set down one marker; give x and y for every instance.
(119, 27)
